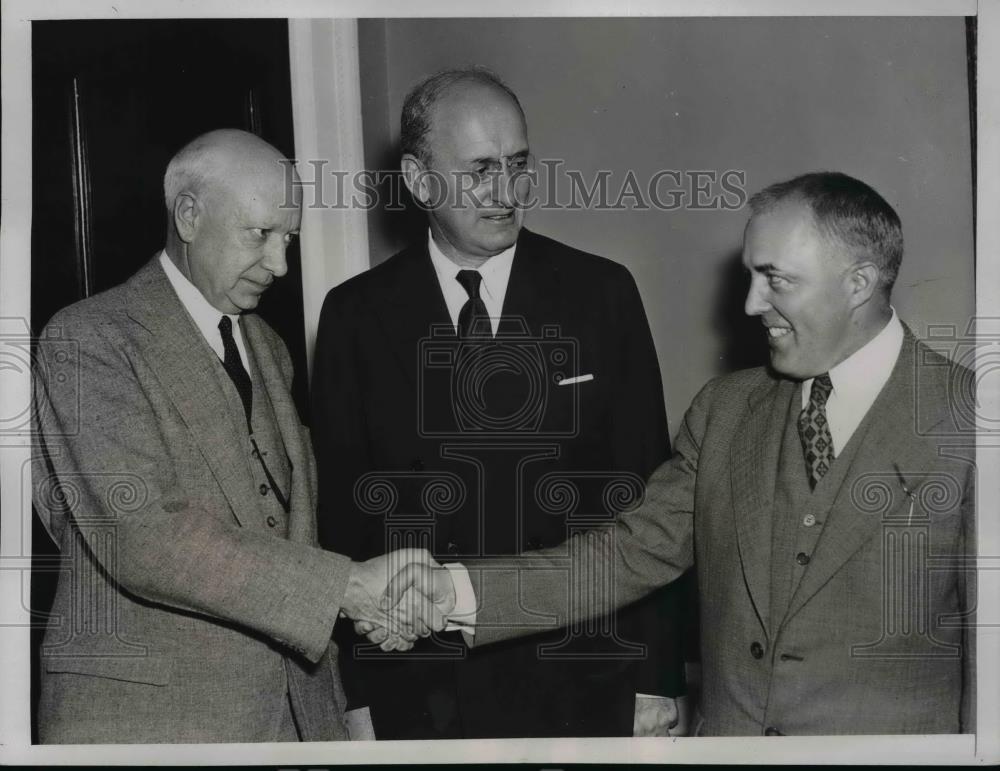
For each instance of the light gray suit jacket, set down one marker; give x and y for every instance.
(875, 638)
(180, 614)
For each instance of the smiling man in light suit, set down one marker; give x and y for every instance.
(827, 501)
(193, 603)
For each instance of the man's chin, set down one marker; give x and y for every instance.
(783, 366)
(247, 302)
(504, 239)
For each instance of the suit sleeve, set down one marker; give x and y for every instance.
(110, 457)
(339, 435)
(641, 442)
(649, 547)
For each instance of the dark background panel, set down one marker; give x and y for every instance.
(132, 93)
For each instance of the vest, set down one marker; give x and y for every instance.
(264, 446)
(800, 513)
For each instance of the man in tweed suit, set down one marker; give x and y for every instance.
(193, 604)
(827, 501)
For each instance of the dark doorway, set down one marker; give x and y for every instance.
(112, 101)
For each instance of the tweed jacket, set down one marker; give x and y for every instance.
(875, 638)
(182, 613)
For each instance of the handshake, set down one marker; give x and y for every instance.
(398, 597)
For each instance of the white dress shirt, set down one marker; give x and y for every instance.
(205, 315)
(495, 272)
(857, 381)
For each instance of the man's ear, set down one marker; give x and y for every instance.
(187, 214)
(415, 177)
(863, 282)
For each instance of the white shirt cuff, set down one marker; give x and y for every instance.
(463, 617)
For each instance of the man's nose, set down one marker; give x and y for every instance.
(756, 302)
(504, 183)
(274, 259)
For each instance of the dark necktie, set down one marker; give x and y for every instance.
(814, 431)
(234, 367)
(473, 320)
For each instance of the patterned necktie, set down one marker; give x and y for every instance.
(473, 318)
(234, 367)
(814, 431)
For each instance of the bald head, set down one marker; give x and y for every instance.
(233, 210)
(218, 161)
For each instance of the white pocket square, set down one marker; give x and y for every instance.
(574, 380)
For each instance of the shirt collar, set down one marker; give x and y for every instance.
(868, 369)
(495, 271)
(205, 315)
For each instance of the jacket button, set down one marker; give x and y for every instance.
(802, 558)
(416, 465)
(772, 731)
(263, 489)
(756, 650)
(452, 547)
(271, 522)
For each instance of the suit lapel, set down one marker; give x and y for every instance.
(531, 290)
(415, 306)
(871, 489)
(754, 456)
(179, 356)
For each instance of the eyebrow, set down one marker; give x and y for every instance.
(519, 154)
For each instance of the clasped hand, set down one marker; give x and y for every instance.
(399, 597)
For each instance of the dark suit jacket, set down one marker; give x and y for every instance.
(404, 449)
(181, 613)
(874, 638)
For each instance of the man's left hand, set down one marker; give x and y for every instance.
(654, 715)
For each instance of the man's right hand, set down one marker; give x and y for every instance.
(393, 625)
(420, 591)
